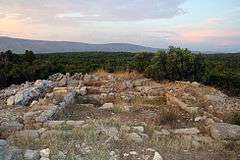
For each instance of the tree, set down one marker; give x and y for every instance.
(176, 64)
(29, 56)
(141, 61)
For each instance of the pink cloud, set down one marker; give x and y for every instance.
(221, 37)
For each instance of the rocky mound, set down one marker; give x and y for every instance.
(116, 116)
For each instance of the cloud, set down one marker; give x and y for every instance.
(2, 15)
(94, 10)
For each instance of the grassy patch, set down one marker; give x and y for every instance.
(97, 154)
(171, 143)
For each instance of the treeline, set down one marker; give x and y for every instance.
(220, 70)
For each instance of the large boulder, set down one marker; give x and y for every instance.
(225, 131)
(25, 96)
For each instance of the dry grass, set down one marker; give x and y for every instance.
(167, 116)
(156, 101)
(128, 75)
(171, 143)
(101, 73)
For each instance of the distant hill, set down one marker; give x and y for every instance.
(18, 45)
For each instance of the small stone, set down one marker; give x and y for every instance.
(11, 101)
(45, 153)
(33, 103)
(134, 137)
(133, 153)
(200, 118)
(151, 150)
(125, 155)
(138, 129)
(31, 155)
(127, 108)
(157, 156)
(83, 91)
(112, 153)
(196, 84)
(107, 106)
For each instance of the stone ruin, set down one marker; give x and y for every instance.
(28, 109)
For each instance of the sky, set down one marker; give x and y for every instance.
(200, 25)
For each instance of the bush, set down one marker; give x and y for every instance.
(236, 118)
(167, 117)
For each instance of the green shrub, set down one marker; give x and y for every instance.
(236, 118)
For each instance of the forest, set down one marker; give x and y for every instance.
(173, 64)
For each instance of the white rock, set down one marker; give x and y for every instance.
(83, 91)
(33, 103)
(125, 155)
(195, 84)
(157, 156)
(45, 153)
(150, 150)
(112, 153)
(138, 129)
(11, 101)
(133, 153)
(200, 118)
(107, 106)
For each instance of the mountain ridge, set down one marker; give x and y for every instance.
(19, 45)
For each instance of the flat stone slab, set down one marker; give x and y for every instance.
(186, 131)
(225, 131)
